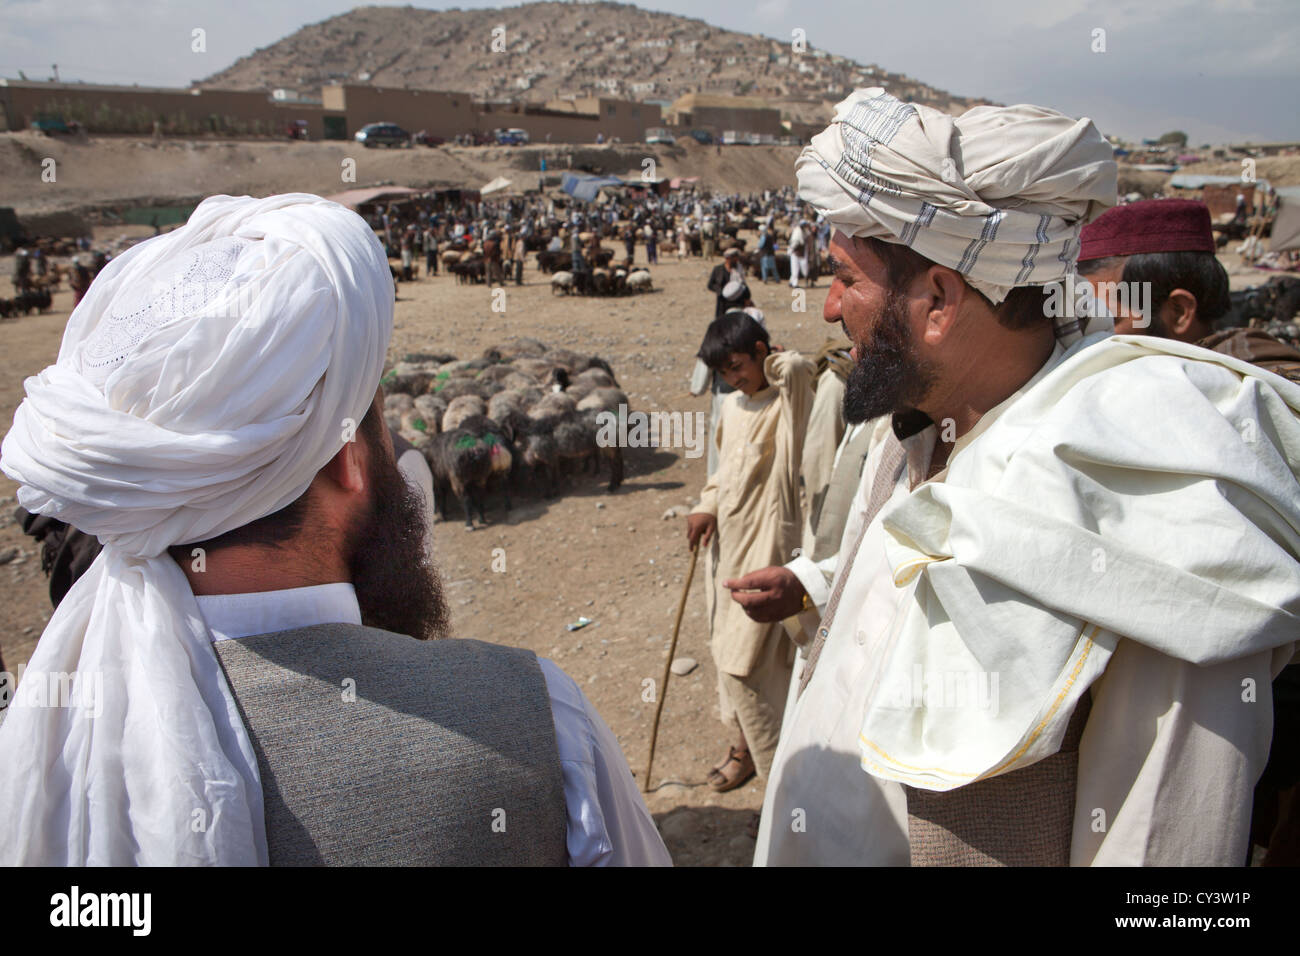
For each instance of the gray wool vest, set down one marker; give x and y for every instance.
(378, 749)
(1022, 818)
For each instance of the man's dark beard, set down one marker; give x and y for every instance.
(887, 377)
(397, 589)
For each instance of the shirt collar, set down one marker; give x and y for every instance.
(761, 398)
(229, 616)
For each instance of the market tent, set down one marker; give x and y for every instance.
(500, 184)
(1201, 180)
(584, 186)
(353, 198)
(1286, 225)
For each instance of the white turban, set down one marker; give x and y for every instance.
(998, 193)
(204, 380)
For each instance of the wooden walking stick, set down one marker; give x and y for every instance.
(672, 652)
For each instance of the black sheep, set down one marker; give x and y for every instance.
(462, 463)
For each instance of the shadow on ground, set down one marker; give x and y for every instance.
(707, 836)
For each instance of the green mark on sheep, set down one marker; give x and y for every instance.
(419, 425)
(466, 441)
(389, 377)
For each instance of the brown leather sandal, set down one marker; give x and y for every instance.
(720, 781)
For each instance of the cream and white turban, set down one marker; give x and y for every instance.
(204, 380)
(998, 193)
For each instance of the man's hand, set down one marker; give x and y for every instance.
(778, 593)
(700, 528)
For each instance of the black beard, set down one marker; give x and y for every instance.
(887, 378)
(397, 588)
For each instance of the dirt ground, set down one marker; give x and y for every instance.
(613, 558)
(120, 170)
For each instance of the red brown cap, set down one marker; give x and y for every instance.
(1152, 225)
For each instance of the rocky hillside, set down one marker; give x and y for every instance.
(541, 51)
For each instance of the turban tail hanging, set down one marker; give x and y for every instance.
(204, 380)
(998, 193)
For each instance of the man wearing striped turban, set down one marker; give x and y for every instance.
(240, 677)
(1070, 571)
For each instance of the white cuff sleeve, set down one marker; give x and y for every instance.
(812, 575)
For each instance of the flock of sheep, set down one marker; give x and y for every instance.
(601, 282)
(25, 303)
(521, 411)
(605, 276)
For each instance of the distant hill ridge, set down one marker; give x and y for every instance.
(549, 50)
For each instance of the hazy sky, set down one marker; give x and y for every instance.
(1218, 69)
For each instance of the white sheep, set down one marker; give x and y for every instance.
(552, 404)
(639, 281)
(603, 400)
(562, 282)
(461, 408)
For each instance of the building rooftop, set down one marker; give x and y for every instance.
(695, 100)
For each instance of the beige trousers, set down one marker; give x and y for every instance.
(756, 703)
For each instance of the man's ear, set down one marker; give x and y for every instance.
(347, 469)
(1179, 312)
(943, 290)
(760, 355)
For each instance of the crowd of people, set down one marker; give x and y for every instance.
(643, 223)
(988, 583)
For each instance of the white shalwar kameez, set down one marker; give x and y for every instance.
(1172, 747)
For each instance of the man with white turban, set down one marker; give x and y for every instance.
(1052, 626)
(235, 680)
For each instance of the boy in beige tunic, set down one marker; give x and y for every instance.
(752, 503)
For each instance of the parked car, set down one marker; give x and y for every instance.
(423, 138)
(511, 137)
(383, 134)
(702, 136)
(658, 134)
